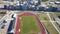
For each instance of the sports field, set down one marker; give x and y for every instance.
(29, 25)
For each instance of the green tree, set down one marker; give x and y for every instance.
(58, 0)
(44, 0)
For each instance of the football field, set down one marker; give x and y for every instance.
(29, 25)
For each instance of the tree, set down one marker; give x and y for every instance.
(44, 0)
(58, 0)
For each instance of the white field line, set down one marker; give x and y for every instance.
(46, 21)
(52, 22)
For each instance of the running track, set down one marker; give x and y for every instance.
(28, 14)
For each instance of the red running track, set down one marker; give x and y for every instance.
(29, 14)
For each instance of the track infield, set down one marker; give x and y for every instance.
(28, 23)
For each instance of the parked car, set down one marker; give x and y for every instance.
(5, 6)
(17, 8)
(10, 7)
(53, 9)
(3, 26)
(57, 2)
(59, 17)
(51, 3)
(4, 21)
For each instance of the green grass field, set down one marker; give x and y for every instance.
(1, 15)
(43, 16)
(29, 25)
(50, 28)
(18, 12)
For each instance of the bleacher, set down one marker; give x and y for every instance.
(11, 27)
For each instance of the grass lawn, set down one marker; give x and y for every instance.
(29, 25)
(50, 28)
(56, 13)
(43, 16)
(19, 12)
(1, 14)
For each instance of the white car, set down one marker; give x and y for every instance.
(57, 2)
(51, 3)
(17, 3)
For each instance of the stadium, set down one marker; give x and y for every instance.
(29, 23)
